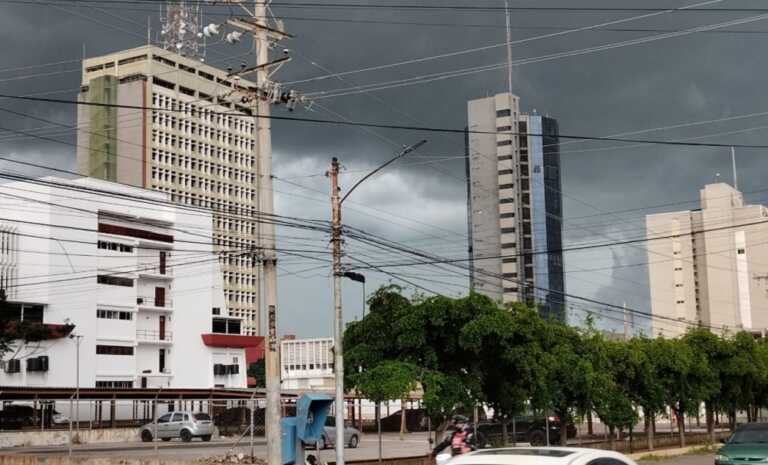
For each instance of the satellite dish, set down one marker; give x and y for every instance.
(234, 37)
(211, 30)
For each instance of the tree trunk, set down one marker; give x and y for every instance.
(681, 427)
(612, 437)
(649, 421)
(378, 426)
(504, 433)
(710, 422)
(749, 414)
(564, 419)
(402, 420)
(590, 424)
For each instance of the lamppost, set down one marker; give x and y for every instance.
(78, 339)
(336, 239)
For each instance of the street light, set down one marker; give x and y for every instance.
(336, 233)
(78, 339)
(358, 278)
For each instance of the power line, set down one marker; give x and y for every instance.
(397, 126)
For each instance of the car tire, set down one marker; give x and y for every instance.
(206, 437)
(166, 439)
(354, 441)
(146, 436)
(185, 435)
(537, 438)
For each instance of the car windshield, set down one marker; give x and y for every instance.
(750, 436)
(202, 417)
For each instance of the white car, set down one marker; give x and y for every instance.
(538, 456)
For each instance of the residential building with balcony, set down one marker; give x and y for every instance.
(132, 277)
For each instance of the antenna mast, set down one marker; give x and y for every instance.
(509, 46)
(181, 28)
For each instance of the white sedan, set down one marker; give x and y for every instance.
(538, 456)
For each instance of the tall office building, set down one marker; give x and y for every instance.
(709, 266)
(184, 146)
(515, 205)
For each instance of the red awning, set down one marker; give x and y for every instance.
(38, 331)
(235, 341)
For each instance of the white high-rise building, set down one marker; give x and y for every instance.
(515, 206)
(198, 144)
(709, 266)
(122, 272)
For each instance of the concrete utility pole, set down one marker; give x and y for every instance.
(266, 93)
(338, 327)
(336, 241)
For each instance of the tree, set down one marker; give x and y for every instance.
(387, 381)
(257, 370)
(615, 371)
(571, 377)
(642, 379)
(685, 376)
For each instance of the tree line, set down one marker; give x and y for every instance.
(471, 351)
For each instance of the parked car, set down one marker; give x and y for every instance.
(748, 444)
(538, 456)
(17, 416)
(184, 425)
(352, 436)
(527, 429)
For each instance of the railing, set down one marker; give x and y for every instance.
(152, 335)
(155, 269)
(151, 302)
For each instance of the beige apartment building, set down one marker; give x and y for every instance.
(196, 143)
(709, 266)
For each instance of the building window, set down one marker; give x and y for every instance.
(115, 246)
(678, 269)
(678, 285)
(504, 129)
(114, 315)
(740, 251)
(503, 143)
(114, 350)
(216, 311)
(503, 172)
(114, 281)
(113, 384)
(503, 113)
(135, 59)
(510, 289)
(681, 301)
(507, 230)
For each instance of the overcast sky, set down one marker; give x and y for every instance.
(421, 201)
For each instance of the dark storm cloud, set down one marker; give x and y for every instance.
(699, 77)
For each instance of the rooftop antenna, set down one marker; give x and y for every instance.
(735, 174)
(509, 46)
(181, 30)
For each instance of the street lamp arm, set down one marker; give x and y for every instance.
(403, 153)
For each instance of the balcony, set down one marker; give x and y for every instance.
(155, 271)
(152, 304)
(154, 336)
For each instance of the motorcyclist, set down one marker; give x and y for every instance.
(460, 438)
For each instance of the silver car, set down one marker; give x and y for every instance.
(352, 437)
(184, 425)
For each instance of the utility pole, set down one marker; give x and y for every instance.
(338, 327)
(735, 174)
(336, 241)
(265, 35)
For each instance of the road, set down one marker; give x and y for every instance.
(411, 445)
(684, 460)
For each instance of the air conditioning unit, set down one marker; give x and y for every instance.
(219, 369)
(39, 364)
(44, 362)
(233, 369)
(13, 366)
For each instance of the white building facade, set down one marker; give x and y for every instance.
(709, 266)
(131, 277)
(307, 364)
(180, 126)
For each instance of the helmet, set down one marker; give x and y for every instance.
(460, 419)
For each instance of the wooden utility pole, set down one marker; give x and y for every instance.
(338, 362)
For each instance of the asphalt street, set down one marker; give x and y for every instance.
(392, 446)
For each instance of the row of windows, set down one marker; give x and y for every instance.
(239, 279)
(192, 198)
(115, 246)
(311, 366)
(114, 315)
(190, 146)
(114, 350)
(191, 181)
(201, 131)
(114, 280)
(239, 124)
(237, 297)
(226, 156)
(113, 384)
